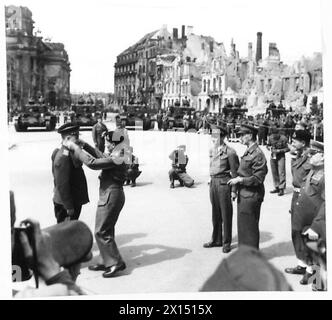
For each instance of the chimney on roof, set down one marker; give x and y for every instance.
(250, 51)
(183, 32)
(259, 47)
(175, 33)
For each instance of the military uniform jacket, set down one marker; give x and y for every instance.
(278, 143)
(253, 170)
(224, 164)
(310, 200)
(97, 131)
(70, 186)
(300, 169)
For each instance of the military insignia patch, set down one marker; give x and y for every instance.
(318, 175)
(65, 152)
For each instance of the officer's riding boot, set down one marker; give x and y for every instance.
(306, 278)
(281, 192)
(276, 190)
(128, 182)
(181, 183)
(172, 184)
(133, 183)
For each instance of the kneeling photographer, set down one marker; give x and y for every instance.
(43, 253)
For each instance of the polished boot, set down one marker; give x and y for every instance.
(212, 244)
(113, 270)
(226, 248)
(276, 190)
(172, 185)
(281, 192)
(306, 278)
(296, 270)
(133, 184)
(97, 267)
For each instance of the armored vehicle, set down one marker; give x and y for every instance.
(85, 115)
(35, 116)
(176, 114)
(136, 115)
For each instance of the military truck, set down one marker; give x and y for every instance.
(175, 118)
(34, 115)
(85, 115)
(135, 115)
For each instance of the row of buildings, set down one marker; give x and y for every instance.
(168, 69)
(35, 67)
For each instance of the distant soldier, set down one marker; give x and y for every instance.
(278, 144)
(121, 131)
(160, 119)
(224, 164)
(309, 204)
(70, 186)
(132, 170)
(165, 120)
(179, 164)
(98, 134)
(250, 184)
(186, 121)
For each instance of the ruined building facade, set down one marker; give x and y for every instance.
(164, 69)
(35, 68)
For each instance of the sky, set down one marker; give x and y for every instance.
(95, 32)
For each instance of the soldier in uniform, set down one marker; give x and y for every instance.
(224, 164)
(279, 146)
(111, 198)
(132, 170)
(98, 134)
(309, 203)
(70, 186)
(179, 164)
(250, 184)
(121, 131)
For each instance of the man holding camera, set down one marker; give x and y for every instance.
(70, 186)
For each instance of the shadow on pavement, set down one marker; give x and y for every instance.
(279, 250)
(149, 254)
(142, 184)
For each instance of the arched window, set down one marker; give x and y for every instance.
(214, 84)
(208, 85)
(199, 104)
(204, 88)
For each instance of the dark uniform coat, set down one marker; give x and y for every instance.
(70, 186)
(253, 170)
(111, 199)
(97, 130)
(224, 164)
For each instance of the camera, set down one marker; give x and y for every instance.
(23, 267)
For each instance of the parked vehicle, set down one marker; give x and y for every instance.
(85, 115)
(135, 115)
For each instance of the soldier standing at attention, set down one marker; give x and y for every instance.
(279, 146)
(98, 134)
(310, 202)
(250, 184)
(111, 198)
(224, 164)
(121, 131)
(70, 186)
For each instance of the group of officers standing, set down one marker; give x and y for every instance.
(244, 180)
(231, 179)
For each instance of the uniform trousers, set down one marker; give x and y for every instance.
(279, 171)
(222, 211)
(107, 215)
(61, 212)
(248, 214)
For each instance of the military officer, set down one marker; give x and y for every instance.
(224, 164)
(70, 186)
(310, 200)
(278, 144)
(98, 134)
(111, 198)
(250, 184)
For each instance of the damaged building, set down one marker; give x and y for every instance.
(35, 68)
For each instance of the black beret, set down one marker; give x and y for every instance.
(247, 128)
(246, 270)
(68, 128)
(302, 135)
(218, 130)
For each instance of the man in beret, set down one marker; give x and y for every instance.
(250, 184)
(98, 133)
(278, 144)
(224, 164)
(309, 203)
(70, 186)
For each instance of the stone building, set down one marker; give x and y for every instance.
(35, 67)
